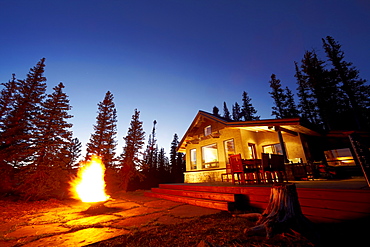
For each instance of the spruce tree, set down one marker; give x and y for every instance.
(130, 159)
(173, 153)
(328, 98)
(103, 141)
(176, 162)
(215, 111)
(248, 110)
(226, 112)
(52, 154)
(357, 94)
(236, 112)
(19, 126)
(74, 152)
(291, 110)
(307, 102)
(54, 134)
(279, 97)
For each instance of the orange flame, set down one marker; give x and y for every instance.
(89, 185)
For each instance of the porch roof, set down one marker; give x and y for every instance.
(288, 125)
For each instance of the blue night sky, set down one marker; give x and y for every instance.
(171, 58)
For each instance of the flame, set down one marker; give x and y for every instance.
(89, 185)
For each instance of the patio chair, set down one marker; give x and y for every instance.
(278, 168)
(236, 165)
(265, 169)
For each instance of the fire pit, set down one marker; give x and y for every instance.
(89, 186)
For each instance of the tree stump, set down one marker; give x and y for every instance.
(283, 214)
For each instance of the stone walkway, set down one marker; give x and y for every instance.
(69, 225)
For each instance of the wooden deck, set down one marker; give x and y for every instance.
(318, 204)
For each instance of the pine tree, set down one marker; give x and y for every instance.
(226, 112)
(176, 162)
(7, 100)
(328, 98)
(74, 152)
(130, 158)
(291, 110)
(52, 153)
(236, 112)
(307, 102)
(248, 111)
(173, 153)
(357, 94)
(54, 134)
(103, 141)
(216, 111)
(279, 97)
(20, 125)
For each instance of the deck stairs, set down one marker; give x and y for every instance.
(319, 205)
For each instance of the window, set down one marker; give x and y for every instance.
(207, 130)
(229, 148)
(210, 156)
(193, 158)
(252, 151)
(339, 157)
(273, 149)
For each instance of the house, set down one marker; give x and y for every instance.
(210, 140)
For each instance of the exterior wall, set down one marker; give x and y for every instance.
(241, 139)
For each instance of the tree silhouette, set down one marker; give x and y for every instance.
(130, 158)
(226, 112)
(103, 141)
(19, 126)
(237, 114)
(357, 94)
(248, 111)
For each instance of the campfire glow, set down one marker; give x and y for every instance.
(89, 186)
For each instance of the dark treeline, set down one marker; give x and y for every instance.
(330, 93)
(39, 155)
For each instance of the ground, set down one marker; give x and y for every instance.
(135, 220)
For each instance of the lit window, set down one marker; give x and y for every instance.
(252, 151)
(339, 157)
(210, 156)
(229, 148)
(273, 149)
(193, 158)
(207, 130)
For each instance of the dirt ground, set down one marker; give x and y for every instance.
(215, 229)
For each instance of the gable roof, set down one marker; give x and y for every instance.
(290, 125)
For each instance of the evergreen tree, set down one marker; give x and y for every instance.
(176, 162)
(103, 141)
(226, 112)
(291, 110)
(216, 111)
(20, 125)
(328, 98)
(357, 94)
(54, 136)
(248, 111)
(74, 151)
(7, 100)
(52, 141)
(163, 167)
(130, 158)
(307, 102)
(173, 153)
(278, 96)
(236, 112)
(150, 170)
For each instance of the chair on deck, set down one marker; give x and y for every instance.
(252, 171)
(265, 169)
(278, 168)
(236, 165)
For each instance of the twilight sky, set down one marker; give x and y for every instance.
(171, 58)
